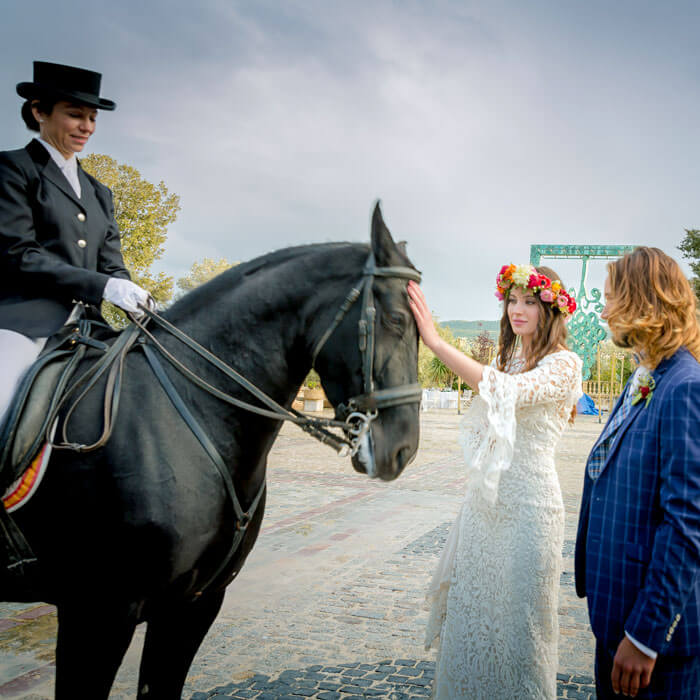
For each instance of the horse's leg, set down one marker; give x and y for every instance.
(173, 636)
(92, 640)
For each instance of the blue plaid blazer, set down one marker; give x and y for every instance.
(638, 542)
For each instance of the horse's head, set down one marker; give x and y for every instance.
(368, 362)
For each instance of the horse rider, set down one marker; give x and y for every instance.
(59, 241)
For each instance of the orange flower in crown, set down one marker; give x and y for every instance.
(527, 277)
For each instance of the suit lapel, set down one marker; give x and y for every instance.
(51, 171)
(622, 428)
(634, 410)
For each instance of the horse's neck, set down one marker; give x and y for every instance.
(265, 327)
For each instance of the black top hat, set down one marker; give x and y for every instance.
(65, 83)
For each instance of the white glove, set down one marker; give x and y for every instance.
(127, 295)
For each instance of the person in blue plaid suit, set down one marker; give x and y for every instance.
(638, 543)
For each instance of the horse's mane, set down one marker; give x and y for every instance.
(238, 275)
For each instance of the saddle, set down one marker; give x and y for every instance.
(38, 398)
(30, 420)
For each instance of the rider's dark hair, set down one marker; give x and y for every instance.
(45, 105)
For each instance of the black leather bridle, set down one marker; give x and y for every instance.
(357, 413)
(354, 417)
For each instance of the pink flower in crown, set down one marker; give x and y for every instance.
(499, 296)
(504, 269)
(533, 282)
(563, 302)
(547, 296)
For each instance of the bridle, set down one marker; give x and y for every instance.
(357, 413)
(354, 417)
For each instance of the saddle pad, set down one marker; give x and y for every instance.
(24, 488)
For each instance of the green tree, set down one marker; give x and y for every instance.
(143, 212)
(202, 272)
(312, 380)
(430, 368)
(439, 373)
(690, 247)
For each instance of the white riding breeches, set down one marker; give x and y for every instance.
(17, 353)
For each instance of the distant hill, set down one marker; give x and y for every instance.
(470, 329)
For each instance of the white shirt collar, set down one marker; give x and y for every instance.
(57, 156)
(68, 166)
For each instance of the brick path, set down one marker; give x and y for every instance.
(330, 603)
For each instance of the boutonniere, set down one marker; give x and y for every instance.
(645, 390)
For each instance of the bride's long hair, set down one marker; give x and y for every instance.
(550, 336)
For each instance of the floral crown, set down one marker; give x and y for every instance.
(527, 277)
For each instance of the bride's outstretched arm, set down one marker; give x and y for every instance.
(470, 370)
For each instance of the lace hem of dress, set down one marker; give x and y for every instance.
(436, 595)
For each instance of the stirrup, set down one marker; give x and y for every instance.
(19, 566)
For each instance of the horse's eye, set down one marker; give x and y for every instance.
(395, 320)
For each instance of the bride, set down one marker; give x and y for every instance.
(494, 595)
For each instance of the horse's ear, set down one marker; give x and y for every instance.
(383, 245)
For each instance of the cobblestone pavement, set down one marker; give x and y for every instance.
(330, 602)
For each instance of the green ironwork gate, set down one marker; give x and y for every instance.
(585, 328)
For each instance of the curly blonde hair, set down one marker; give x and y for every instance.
(651, 306)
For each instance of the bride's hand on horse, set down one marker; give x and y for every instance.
(470, 370)
(421, 312)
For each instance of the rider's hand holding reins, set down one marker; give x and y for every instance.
(127, 295)
(469, 370)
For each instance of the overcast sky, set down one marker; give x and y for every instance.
(484, 127)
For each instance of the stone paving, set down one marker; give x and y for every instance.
(330, 602)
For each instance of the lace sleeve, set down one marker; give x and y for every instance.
(556, 378)
(488, 434)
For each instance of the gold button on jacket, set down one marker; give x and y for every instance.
(81, 216)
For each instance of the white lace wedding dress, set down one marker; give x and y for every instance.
(494, 595)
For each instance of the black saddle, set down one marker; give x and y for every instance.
(29, 421)
(38, 398)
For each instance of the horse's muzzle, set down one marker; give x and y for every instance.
(386, 465)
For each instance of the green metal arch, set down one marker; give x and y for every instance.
(585, 328)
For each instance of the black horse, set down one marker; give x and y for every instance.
(136, 530)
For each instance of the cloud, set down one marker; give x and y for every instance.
(484, 128)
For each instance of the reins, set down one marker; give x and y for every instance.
(356, 415)
(315, 426)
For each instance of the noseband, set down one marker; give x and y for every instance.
(354, 417)
(358, 412)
